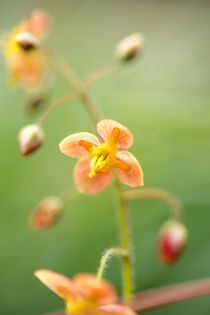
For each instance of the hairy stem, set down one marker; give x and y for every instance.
(109, 253)
(125, 243)
(159, 194)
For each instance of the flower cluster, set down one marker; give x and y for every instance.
(98, 157)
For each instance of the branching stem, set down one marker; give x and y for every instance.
(109, 253)
(159, 194)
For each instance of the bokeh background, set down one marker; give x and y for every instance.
(164, 98)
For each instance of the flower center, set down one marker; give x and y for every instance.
(80, 306)
(104, 157)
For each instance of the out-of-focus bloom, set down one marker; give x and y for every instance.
(93, 171)
(85, 294)
(129, 47)
(171, 241)
(46, 213)
(30, 138)
(23, 53)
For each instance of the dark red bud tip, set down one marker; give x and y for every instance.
(46, 214)
(171, 242)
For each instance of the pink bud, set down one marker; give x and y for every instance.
(171, 241)
(30, 139)
(46, 213)
(129, 46)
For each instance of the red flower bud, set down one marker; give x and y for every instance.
(171, 241)
(30, 139)
(46, 213)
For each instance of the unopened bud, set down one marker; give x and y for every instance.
(46, 213)
(171, 241)
(129, 46)
(34, 102)
(27, 41)
(30, 139)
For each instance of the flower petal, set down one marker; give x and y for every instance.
(88, 185)
(133, 177)
(61, 285)
(70, 145)
(100, 291)
(105, 127)
(116, 309)
(37, 24)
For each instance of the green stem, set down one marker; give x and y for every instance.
(68, 195)
(109, 253)
(68, 74)
(54, 104)
(100, 74)
(125, 243)
(159, 194)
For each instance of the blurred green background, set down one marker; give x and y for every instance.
(164, 99)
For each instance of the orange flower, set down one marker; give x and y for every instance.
(93, 171)
(85, 294)
(24, 57)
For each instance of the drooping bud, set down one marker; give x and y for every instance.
(171, 241)
(30, 138)
(46, 214)
(34, 102)
(27, 41)
(129, 47)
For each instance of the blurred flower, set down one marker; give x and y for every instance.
(171, 241)
(46, 213)
(93, 172)
(30, 138)
(23, 54)
(129, 46)
(85, 294)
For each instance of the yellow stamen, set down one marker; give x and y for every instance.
(104, 157)
(80, 306)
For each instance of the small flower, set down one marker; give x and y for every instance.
(46, 213)
(129, 46)
(85, 294)
(30, 138)
(171, 241)
(93, 171)
(22, 50)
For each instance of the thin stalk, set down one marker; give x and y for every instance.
(109, 253)
(125, 244)
(68, 195)
(68, 74)
(54, 104)
(159, 194)
(100, 74)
